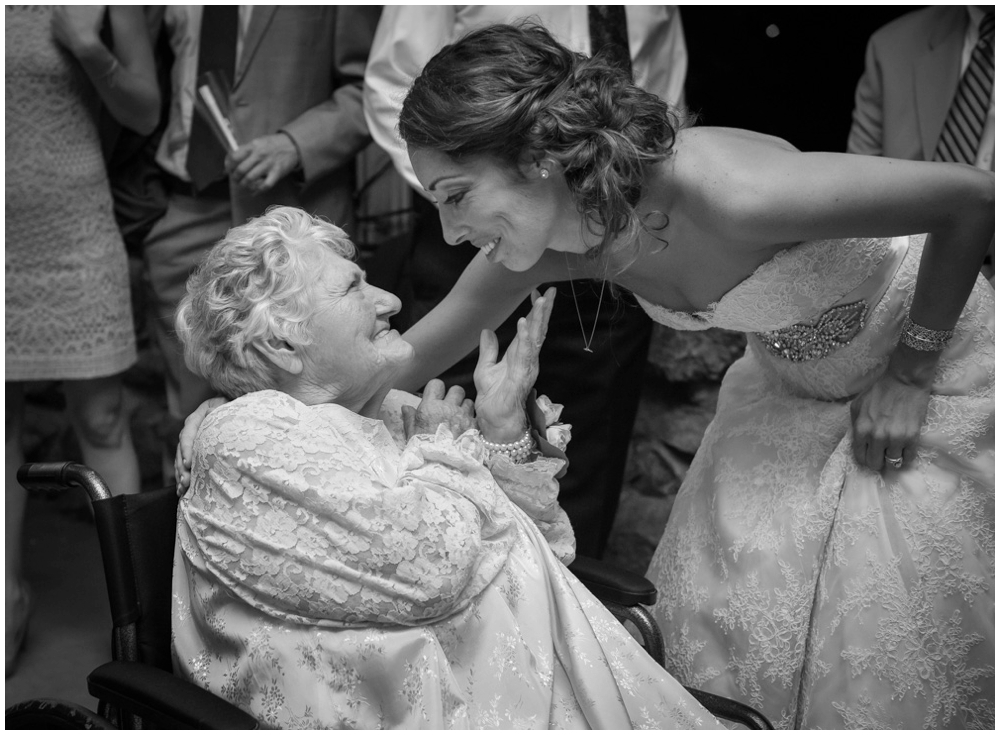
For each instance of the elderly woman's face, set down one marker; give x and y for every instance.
(353, 350)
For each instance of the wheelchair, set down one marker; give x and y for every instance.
(137, 688)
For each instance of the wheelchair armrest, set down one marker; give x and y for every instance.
(730, 709)
(613, 584)
(166, 700)
(624, 593)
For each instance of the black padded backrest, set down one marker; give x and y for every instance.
(137, 535)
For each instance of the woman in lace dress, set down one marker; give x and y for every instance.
(349, 556)
(830, 556)
(67, 308)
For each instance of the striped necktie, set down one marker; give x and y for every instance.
(963, 128)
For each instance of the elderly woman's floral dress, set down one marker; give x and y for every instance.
(329, 574)
(792, 578)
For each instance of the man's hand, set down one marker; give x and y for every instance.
(260, 164)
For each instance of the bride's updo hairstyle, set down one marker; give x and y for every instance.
(515, 94)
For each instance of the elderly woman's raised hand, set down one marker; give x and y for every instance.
(438, 407)
(502, 387)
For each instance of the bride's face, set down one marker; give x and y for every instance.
(513, 217)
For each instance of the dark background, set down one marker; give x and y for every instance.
(789, 71)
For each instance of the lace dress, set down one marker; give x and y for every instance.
(827, 595)
(68, 313)
(329, 574)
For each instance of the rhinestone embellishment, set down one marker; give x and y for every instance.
(801, 342)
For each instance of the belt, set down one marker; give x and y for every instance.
(216, 190)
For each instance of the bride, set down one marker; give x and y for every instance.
(830, 556)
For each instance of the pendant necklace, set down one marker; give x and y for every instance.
(579, 317)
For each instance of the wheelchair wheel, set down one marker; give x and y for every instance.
(53, 714)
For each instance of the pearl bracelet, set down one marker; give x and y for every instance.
(517, 451)
(924, 339)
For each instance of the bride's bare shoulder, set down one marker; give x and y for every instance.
(699, 137)
(725, 156)
(727, 147)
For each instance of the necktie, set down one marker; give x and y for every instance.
(609, 33)
(216, 52)
(963, 128)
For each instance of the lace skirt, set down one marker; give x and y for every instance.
(827, 595)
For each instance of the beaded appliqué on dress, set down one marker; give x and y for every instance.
(801, 342)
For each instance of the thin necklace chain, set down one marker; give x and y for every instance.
(579, 317)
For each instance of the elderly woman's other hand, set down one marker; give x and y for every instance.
(502, 387)
(185, 443)
(437, 407)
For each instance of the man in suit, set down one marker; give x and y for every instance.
(913, 71)
(295, 77)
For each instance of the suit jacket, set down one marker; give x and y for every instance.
(301, 72)
(912, 69)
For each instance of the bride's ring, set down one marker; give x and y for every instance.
(894, 462)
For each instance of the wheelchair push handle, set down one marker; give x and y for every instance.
(60, 475)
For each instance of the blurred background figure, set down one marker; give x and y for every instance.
(595, 352)
(295, 76)
(927, 90)
(67, 302)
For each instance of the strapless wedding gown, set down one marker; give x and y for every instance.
(791, 578)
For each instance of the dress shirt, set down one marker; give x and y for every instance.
(409, 35)
(987, 145)
(183, 23)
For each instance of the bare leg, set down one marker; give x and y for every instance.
(15, 603)
(98, 414)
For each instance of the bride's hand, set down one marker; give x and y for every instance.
(887, 419)
(185, 444)
(502, 387)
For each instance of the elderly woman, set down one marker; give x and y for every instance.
(351, 556)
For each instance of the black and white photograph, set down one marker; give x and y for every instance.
(467, 367)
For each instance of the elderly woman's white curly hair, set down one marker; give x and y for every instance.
(251, 287)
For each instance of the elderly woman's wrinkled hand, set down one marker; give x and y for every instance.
(438, 407)
(502, 387)
(185, 443)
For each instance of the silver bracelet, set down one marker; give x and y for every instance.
(924, 339)
(517, 451)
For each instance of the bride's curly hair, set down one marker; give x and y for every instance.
(510, 91)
